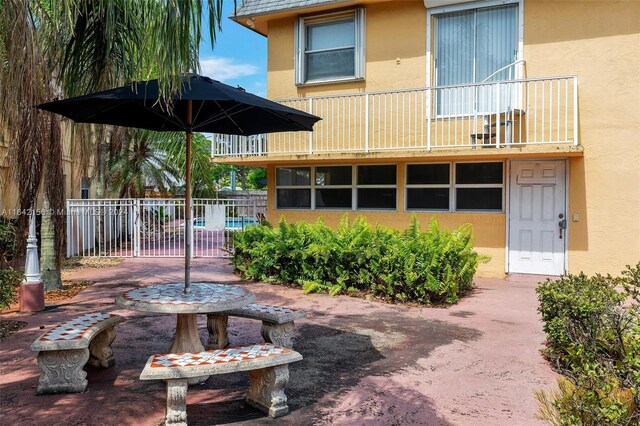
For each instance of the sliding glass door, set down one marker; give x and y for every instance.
(472, 46)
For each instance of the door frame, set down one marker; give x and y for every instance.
(507, 203)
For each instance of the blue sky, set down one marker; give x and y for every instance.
(239, 56)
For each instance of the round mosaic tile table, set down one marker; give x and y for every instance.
(171, 299)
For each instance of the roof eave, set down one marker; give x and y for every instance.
(241, 15)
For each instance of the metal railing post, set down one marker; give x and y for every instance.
(310, 133)
(137, 218)
(575, 110)
(191, 209)
(213, 143)
(429, 107)
(497, 116)
(366, 122)
(69, 241)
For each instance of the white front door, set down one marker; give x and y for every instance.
(536, 212)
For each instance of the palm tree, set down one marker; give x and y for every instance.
(74, 47)
(158, 159)
(35, 149)
(202, 169)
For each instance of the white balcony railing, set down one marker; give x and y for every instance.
(493, 114)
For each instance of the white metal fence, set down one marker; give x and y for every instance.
(154, 227)
(491, 114)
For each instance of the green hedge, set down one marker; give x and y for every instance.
(593, 334)
(434, 266)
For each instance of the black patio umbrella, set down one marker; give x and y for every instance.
(203, 105)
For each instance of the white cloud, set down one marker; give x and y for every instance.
(224, 69)
(259, 88)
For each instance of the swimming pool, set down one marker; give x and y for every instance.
(229, 222)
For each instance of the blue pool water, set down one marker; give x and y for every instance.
(238, 222)
(229, 223)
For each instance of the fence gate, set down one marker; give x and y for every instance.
(154, 227)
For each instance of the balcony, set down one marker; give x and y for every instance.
(490, 117)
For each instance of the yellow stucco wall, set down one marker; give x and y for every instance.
(395, 53)
(489, 228)
(596, 40)
(599, 41)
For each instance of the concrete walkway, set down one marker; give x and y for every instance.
(371, 363)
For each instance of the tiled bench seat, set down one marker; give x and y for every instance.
(64, 350)
(268, 375)
(277, 324)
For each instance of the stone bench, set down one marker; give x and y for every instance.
(277, 324)
(64, 350)
(268, 375)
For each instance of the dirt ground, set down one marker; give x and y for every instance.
(365, 363)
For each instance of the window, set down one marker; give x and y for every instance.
(293, 187)
(428, 186)
(333, 188)
(476, 187)
(471, 46)
(376, 188)
(479, 186)
(84, 188)
(336, 187)
(330, 47)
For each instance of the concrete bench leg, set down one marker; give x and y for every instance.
(100, 353)
(217, 326)
(278, 334)
(62, 371)
(176, 402)
(266, 390)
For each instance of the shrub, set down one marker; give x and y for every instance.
(9, 278)
(9, 281)
(8, 239)
(593, 335)
(575, 304)
(572, 405)
(434, 266)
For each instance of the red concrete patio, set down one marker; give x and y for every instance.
(475, 363)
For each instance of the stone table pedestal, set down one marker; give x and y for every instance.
(171, 299)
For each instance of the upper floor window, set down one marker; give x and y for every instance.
(330, 47)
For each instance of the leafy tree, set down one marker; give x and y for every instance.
(257, 178)
(247, 177)
(157, 159)
(73, 47)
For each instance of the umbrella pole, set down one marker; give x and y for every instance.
(187, 206)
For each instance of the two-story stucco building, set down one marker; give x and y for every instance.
(521, 117)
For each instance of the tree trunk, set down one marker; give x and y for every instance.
(50, 272)
(243, 178)
(101, 186)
